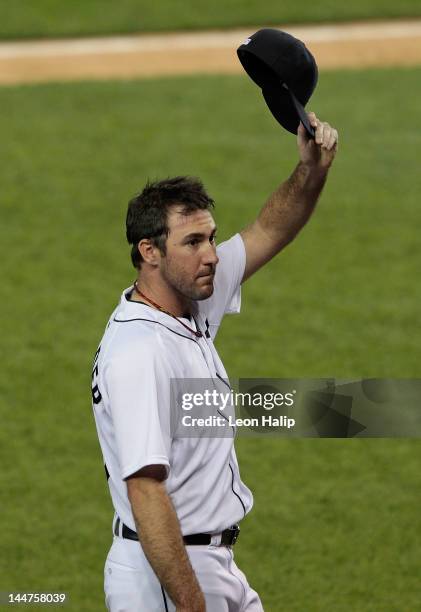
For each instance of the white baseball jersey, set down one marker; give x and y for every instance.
(141, 351)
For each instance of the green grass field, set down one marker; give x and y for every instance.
(335, 522)
(39, 18)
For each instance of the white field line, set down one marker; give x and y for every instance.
(205, 40)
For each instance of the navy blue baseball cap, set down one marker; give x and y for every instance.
(285, 70)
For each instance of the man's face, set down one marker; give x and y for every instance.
(190, 261)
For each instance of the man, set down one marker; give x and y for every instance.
(178, 500)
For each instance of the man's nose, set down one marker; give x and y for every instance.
(211, 257)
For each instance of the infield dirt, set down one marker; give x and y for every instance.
(353, 45)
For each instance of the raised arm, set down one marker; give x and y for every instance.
(160, 536)
(288, 209)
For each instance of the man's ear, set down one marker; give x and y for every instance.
(150, 253)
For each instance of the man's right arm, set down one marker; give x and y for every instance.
(160, 536)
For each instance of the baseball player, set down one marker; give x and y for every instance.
(178, 501)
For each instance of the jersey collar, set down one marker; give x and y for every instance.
(130, 310)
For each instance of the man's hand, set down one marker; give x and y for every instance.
(320, 152)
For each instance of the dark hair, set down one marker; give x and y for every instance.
(147, 212)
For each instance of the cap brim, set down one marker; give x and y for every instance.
(300, 110)
(286, 109)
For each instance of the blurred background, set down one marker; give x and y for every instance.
(83, 125)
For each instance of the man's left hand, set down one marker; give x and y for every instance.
(321, 151)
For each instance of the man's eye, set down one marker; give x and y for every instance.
(212, 238)
(193, 241)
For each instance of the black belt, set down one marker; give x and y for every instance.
(228, 536)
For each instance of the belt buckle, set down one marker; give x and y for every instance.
(233, 534)
(236, 533)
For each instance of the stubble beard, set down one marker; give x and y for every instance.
(176, 279)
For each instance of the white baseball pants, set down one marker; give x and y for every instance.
(131, 585)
